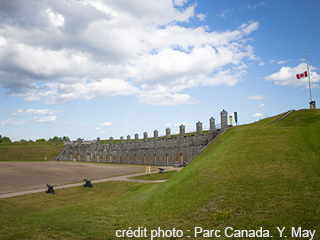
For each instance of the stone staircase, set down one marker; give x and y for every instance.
(65, 148)
(284, 115)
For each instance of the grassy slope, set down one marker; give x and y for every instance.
(29, 151)
(253, 176)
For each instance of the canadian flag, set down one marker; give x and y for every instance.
(302, 75)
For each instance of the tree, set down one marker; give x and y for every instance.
(40, 140)
(0, 138)
(55, 139)
(6, 139)
(66, 139)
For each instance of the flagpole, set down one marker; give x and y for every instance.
(308, 76)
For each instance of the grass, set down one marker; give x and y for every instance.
(253, 176)
(155, 176)
(27, 151)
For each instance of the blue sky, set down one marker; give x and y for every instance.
(102, 68)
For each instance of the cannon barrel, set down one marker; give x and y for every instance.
(49, 186)
(87, 180)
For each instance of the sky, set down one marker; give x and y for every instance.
(112, 68)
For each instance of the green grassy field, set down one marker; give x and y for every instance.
(253, 177)
(155, 176)
(29, 151)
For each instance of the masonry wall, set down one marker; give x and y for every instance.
(167, 151)
(164, 151)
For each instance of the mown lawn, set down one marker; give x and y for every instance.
(29, 151)
(257, 176)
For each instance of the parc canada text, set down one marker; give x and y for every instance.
(228, 232)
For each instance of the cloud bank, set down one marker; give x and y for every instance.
(59, 51)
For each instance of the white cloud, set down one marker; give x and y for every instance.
(11, 121)
(201, 16)
(56, 19)
(47, 119)
(261, 105)
(257, 115)
(283, 62)
(261, 64)
(41, 111)
(223, 13)
(180, 2)
(2, 110)
(82, 125)
(257, 97)
(19, 113)
(255, 6)
(287, 76)
(106, 124)
(50, 118)
(71, 50)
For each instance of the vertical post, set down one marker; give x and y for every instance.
(182, 130)
(236, 118)
(199, 127)
(224, 119)
(121, 140)
(155, 135)
(145, 136)
(98, 141)
(136, 138)
(212, 124)
(308, 75)
(168, 133)
(312, 103)
(128, 139)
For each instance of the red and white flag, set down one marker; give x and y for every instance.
(302, 75)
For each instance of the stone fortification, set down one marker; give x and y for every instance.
(157, 151)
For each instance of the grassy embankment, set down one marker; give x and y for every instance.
(155, 176)
(253, 176)
(29, 151)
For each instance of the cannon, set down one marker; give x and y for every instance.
(161, 170)
(50, 189)
(88, 183)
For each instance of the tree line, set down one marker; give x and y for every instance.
(5, 139)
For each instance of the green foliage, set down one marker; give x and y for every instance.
(59, 139)
(41, 140)
(0, 138)
(6, 139)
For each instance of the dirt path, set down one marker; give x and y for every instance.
(19, 178)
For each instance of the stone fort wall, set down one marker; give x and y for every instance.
(166, 151)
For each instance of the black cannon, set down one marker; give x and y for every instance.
(50, 189)
(88, 183)
(161, 170)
